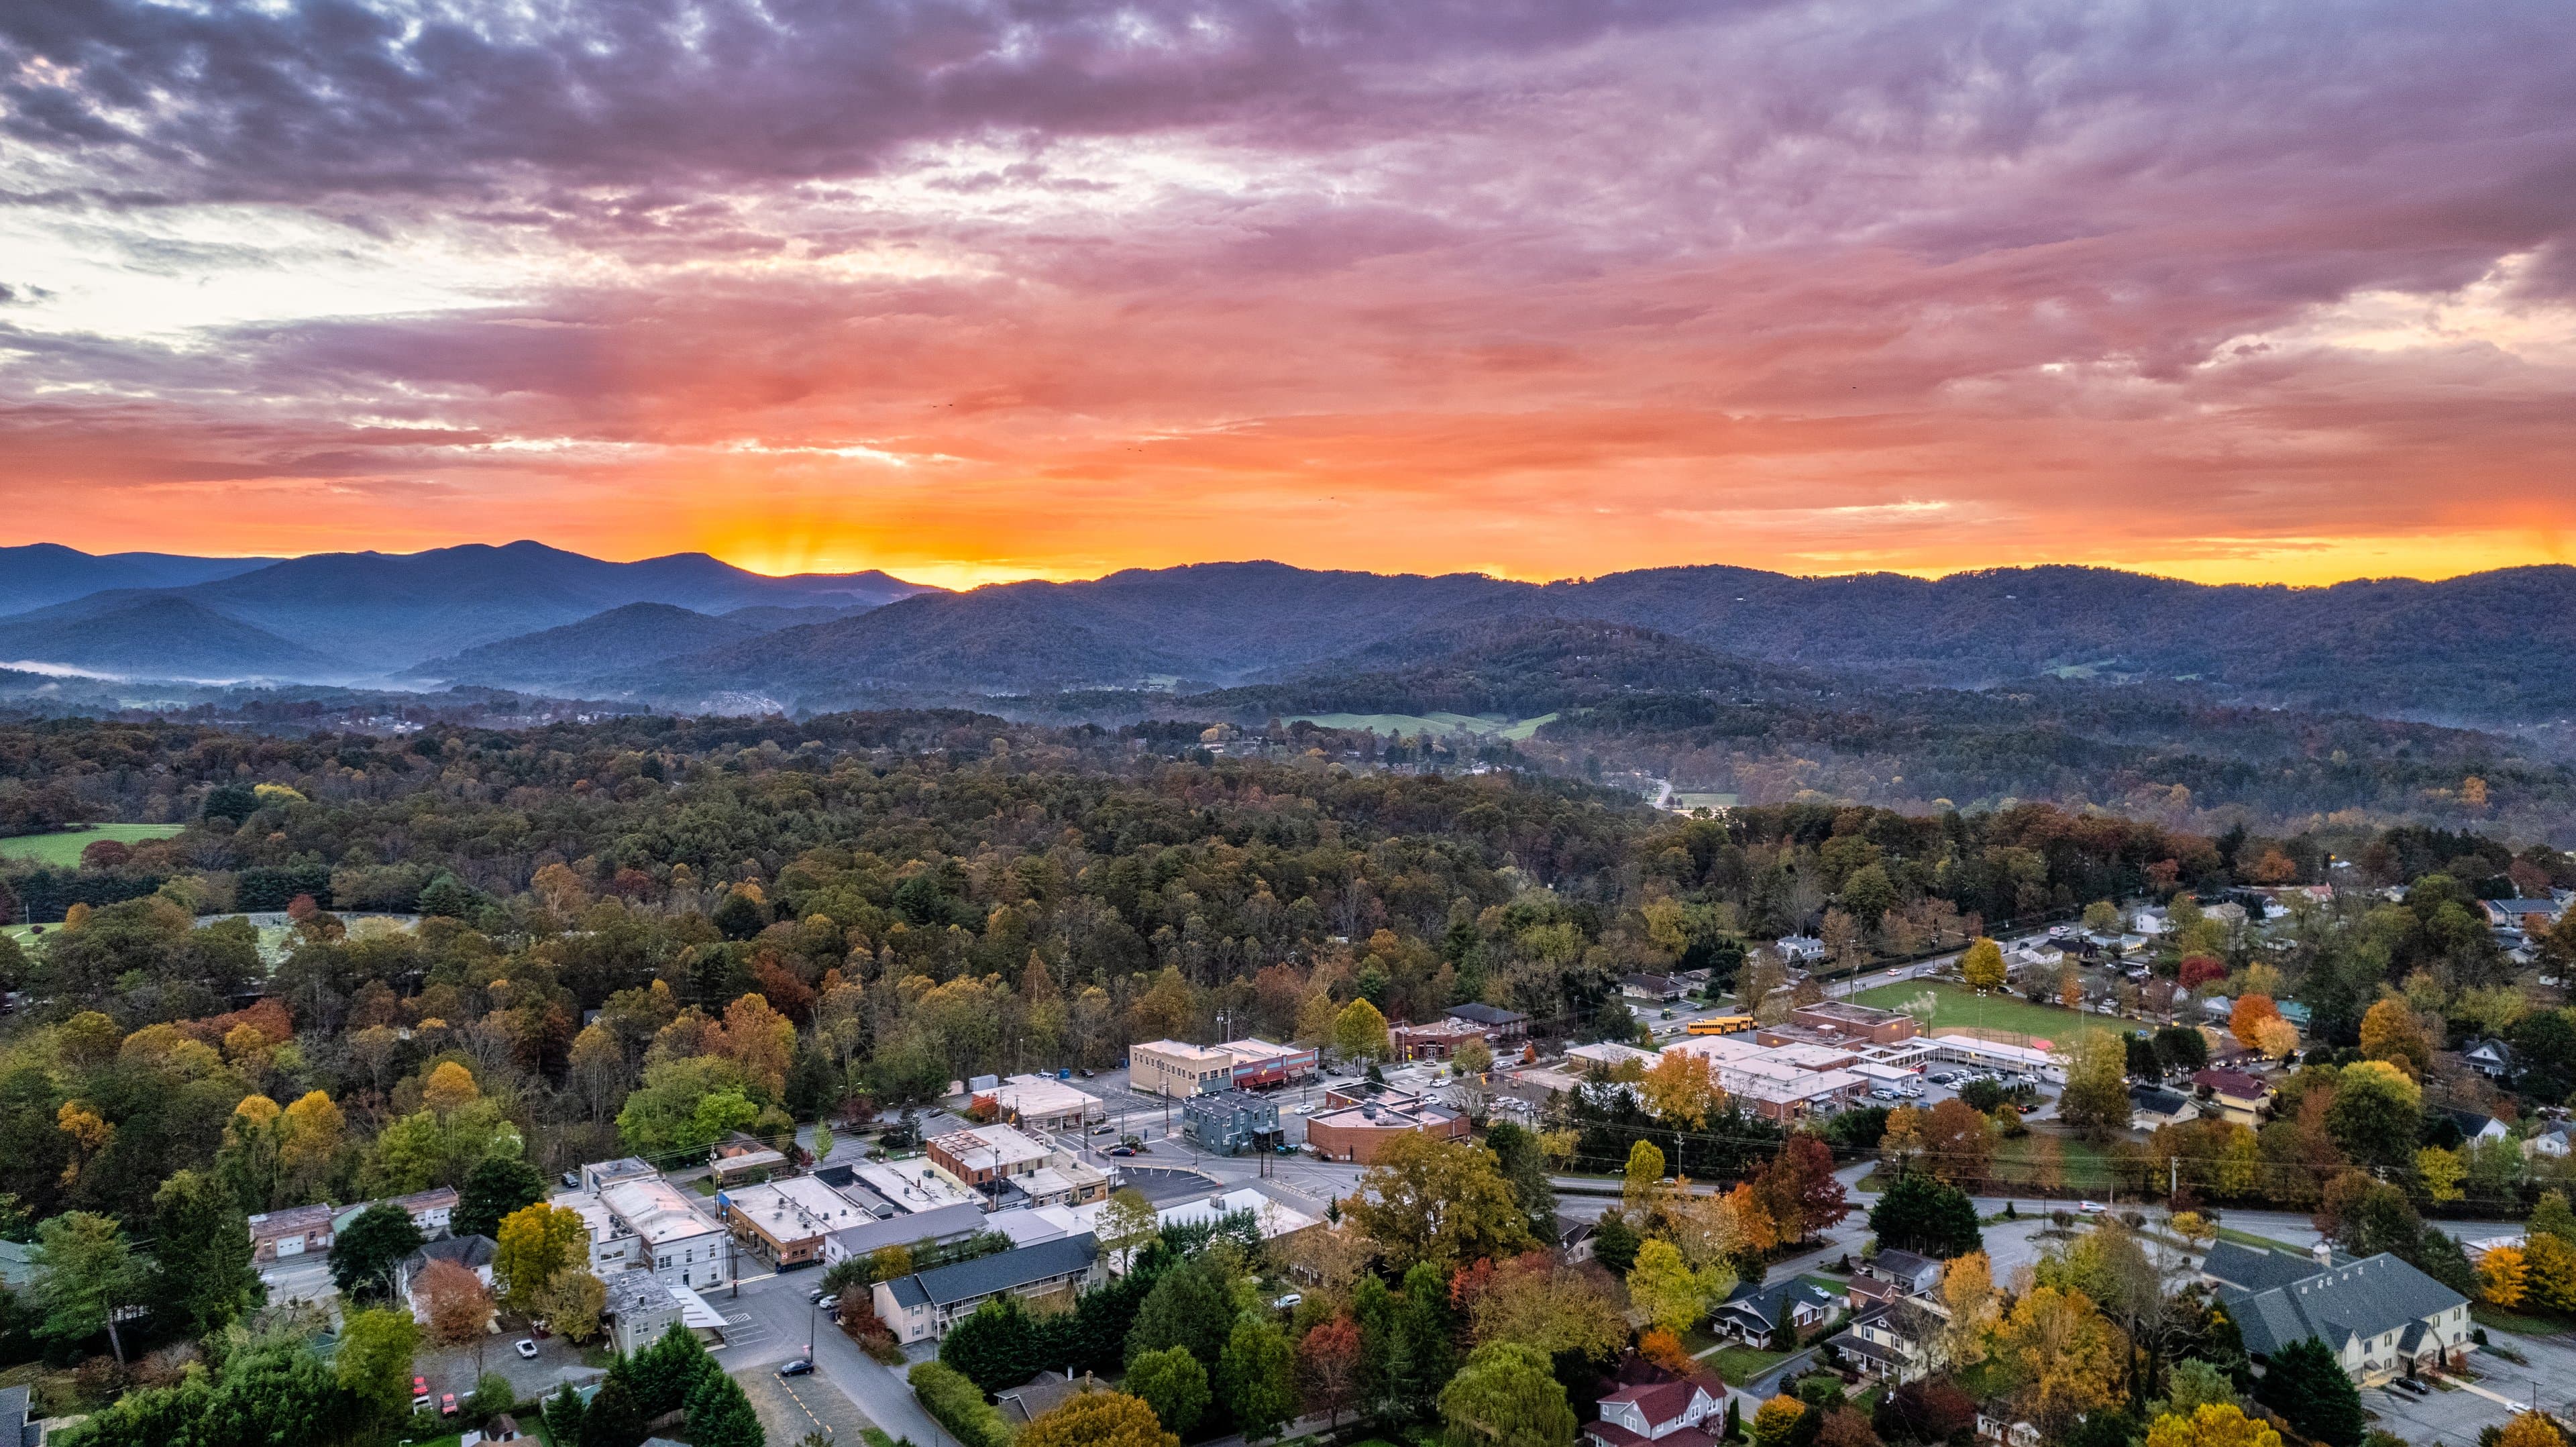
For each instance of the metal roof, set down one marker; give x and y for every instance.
(2337, 1303)
(999, 1272)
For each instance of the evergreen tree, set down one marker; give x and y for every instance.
(564, 1413)
(1188, 1307)
(1615, 1243)
(994, 1345)
(1421, 1351)
(1172, 1383)
(1373, 1307)
(614, 1417)
(1922, 1214)
(2307, 1386)
(498, 1185)
(1525, 1167)
(720, 1415)
(367, 1252)
(202, 1253)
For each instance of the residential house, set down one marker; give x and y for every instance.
(1674, 1413)
(1909, 1273)
(744, 1159)
(1892, 1341)
(2234, 1095)
(2381, 1316)
(1040, 1395)
(2490, 1058)
(15, 1429)
(1574, 1238)
(292, 1232)
(1659, 988)
(1753, 1314)
(1800, 949)
(924, 1305)
(2552, 1142)
(2151, 1106)
(474, 1253)
(2476, 1126)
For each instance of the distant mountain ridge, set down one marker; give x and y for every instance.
(372, 615)
(37, 574)
(2489, 647)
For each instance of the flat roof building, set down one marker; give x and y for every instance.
(786, 1221)
(1177, 1069)
(983, 1157)
(676, 1240)
(1358, 1133)
(921, 1234)
(1041, 1102)
(1855, 1022)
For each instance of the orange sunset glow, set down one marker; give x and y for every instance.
(1539, 290)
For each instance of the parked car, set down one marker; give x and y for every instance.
(797, 1368)
(816, 1295)
(528, 1348)
(420, 1387)
(1290, 1302)
(572, 1178)
(447, 1405)
(1120, 1151)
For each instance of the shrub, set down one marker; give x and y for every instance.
(958, 1405)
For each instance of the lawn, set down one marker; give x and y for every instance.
(2086, 1167)
(1436, 724)
(1958, 1007)
(1740, 1364)
(63, 847)
(2259, 1243)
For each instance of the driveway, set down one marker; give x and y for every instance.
(452, 1369)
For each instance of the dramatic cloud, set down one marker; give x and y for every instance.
(1547, 287)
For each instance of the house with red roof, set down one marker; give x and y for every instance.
(1673, 1414)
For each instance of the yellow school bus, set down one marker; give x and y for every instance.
(1719, 1025)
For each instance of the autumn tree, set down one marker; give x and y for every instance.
(2500, 1275)
(1666, 1289)
(1097, 1419)
(571, 1303)
(534, 1243)
(1798, 1189)
(1644, 1178)
(2251, 1013)
(1680, 1089)
(2212, 1425)
(2392, 1032)
(2070, 1358)
(1438, 1201)
(2376, 1113)
(1982, 966)
(1359, 1032)
(2095, 1101)
(1328, 1368)
(458, 1308)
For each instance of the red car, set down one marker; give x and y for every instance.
(447, 1405)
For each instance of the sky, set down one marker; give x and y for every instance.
(984, 289)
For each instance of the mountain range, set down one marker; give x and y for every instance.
(686, 631)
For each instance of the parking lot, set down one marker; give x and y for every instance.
(2453, 1415)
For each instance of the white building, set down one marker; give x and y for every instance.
(638, 1220)
(1042, 1102)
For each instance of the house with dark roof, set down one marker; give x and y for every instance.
(1672, 1413)
(15, 1429)
(924, 1305)
(1892, 1340)
(2380, 1316)
(1910, 1274)
(1574, 1238)
(1652, 987)
(2490, 1058)
(1754, 1313)
(2151, 1106)
(922, 1231)
(474, 1253)
(2476, 1126)
(1040, 1395)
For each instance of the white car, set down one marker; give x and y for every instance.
(528, 1348)
(2092, 1208)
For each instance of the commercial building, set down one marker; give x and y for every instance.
(1041, 1102)
(983, 1157)
(430, 1211)
(1230, 1122)
(1995, 1055)
(924, 1305)
(1657, 988)
(1610, 1055)
(1359, 1133)
(1176, 1069)
(1065, 1180)
(923, 1235)
(295, 1231)
(1269, 1217)
(913, 1185)
(785, 1222)
(1855, 1022)
(744, 1159)
(2381, 1316)
(1500, 1024)
(646, 1223)
(1437, 1040)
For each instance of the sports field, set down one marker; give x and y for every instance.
(2009, 1017)
(1408, 724)
(63, 847)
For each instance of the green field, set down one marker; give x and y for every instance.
(63, 847)
(2085, 1168)
(1436, 724)
(1956, 1007)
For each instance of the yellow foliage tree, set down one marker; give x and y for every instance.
(449, 1089)
(2441, 1172)
(1680, 1090)
(1983, 965)
(2391, 1031)
(1645, 1176)
(2530, 1429)
(532, 1245)
(2213, 1424)
(1665, 1288)
(1359, 1032)
(2501, 1274)
(2276, 1038)
(2549, 1272)
(2067, 1352)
